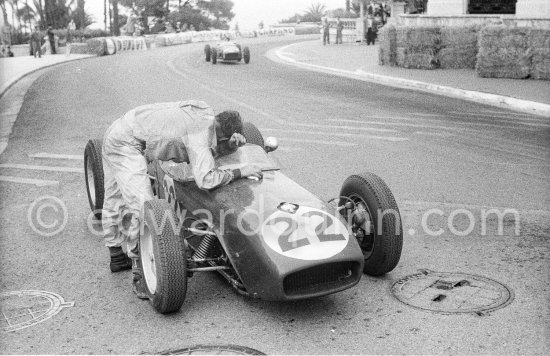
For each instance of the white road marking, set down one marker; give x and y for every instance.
(518, 116)
(327, 134)
(327, 142)
(344, 127)
(37, 182)
(220, 94)
(56, 156)
(438, 134)
(42, 168)
(496, 124)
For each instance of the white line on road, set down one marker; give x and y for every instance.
(438, 134)
(344, 127)
(328, 142)
(518, 116)
(327, 134)
(42, 168)
(56, 156)
(497, 124)
(37, 182)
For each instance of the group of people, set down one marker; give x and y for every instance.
(5, 53)
(326, 31)
(36, 41)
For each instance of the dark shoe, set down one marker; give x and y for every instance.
(138, 282)
(119, 260)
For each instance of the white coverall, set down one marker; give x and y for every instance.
(179, 131)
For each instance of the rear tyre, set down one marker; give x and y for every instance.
(163, 257)
(246, 55)
(383, 242)
(93, 172)
(207, 52)
(252, 134)
(214, 56)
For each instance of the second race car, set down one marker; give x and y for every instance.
(226, 51)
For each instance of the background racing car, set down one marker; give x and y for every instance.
(269, 238)
(226, 51)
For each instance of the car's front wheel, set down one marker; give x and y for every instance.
(214, 56)
(246, 55)
(93, 172)
(163, 257)
(375, 219)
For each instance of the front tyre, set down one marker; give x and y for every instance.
(93, 172)
(163, 257)
(207, 52)
(381, 241)
(246, 55)
(214, 56)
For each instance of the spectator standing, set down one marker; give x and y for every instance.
(36, 38)
(326, 28)
(51, 38)
(339, 28)
(10, 53)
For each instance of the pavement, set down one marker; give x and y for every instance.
(360, 61)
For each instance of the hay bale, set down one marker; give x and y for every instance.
(417, 47)
(96, 46)
(539, 43)
(458, 47)
(504, 52)
(387, 45)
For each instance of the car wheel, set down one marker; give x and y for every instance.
(252, 134)
(163, 257)
(207, 52)
(214, 56)
(240, 52)
(93, 172)
(246, 55)
(380, 241)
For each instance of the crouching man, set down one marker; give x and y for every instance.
(185, 131)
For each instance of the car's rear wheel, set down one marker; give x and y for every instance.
(207, 52)
(214, 56)
(163, 257)
(93, 172)
(376, 221)
(252, 134)
(246, 55)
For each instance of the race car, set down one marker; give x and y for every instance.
(226, 51)
(269, 238)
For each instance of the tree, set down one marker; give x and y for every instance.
(116, 27)
(348, 5)
(220, 10)
(314, 13)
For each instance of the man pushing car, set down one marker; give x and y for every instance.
(185, 131)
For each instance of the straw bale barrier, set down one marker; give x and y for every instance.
(387, 48)
(417, 47)
(504, 52)
(458, 47)
(539, 42)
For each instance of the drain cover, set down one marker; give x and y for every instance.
(213, 350)
(452, 292)
(21, 309)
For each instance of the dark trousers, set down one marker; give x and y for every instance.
(326, 37)
(52, 45)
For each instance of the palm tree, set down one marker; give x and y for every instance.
(348, 5)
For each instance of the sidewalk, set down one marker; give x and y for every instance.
(361, 61)
(11, 71)
(14, 68)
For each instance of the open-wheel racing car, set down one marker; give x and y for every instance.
(269, 238)
(226, 51)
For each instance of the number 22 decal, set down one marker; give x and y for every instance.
(327, 229)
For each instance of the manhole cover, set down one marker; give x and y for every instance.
(213, 350)
(452, 292)
(21, 309)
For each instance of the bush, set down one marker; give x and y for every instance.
(309, 30)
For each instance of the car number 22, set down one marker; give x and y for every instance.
(308, 234)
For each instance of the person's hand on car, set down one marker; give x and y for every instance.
(251, 170)
(236, 140)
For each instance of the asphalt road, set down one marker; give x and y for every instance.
(433, 152)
